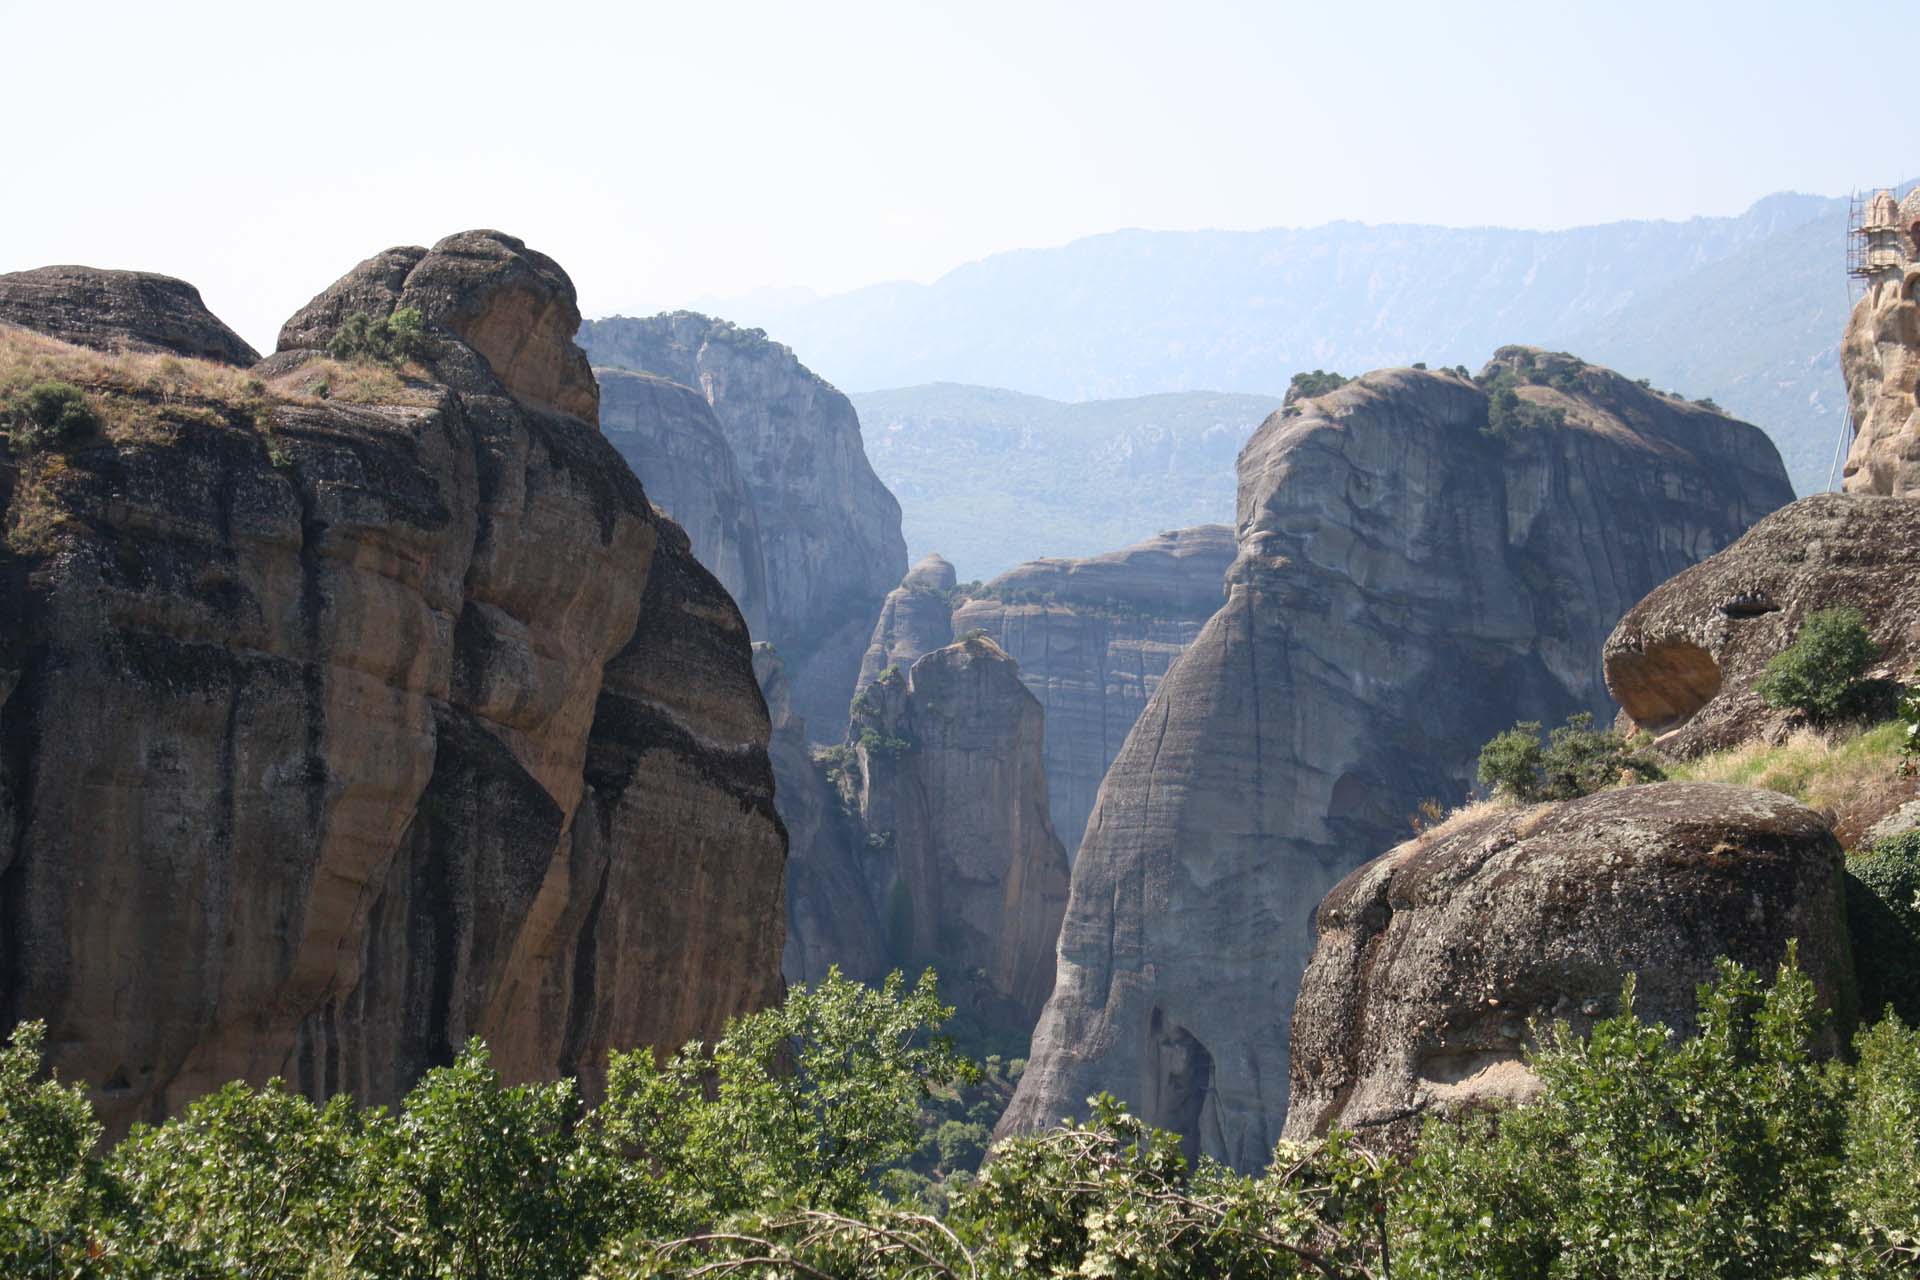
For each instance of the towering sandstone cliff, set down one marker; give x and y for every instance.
(668, 435)
(916, 619)
(830, 530)
(936, 809)
(1407, 584)
(1880, 354)
(346, 712)
(1093, 638)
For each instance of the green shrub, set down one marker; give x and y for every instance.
(400, 336)
(1305, 386)
(1508, 415)
(1819, 674)
(1883, 919)
(1577, 760)
(1908, 711)
(47, 413)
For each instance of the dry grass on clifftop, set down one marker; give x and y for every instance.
(1853, 775)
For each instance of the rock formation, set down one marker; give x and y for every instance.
(1435, 960)
(353, 711)
(916, 619)
(668, 435)
(831, 530)
(1880, 354)
(947, 777)
(1093, 637)
(1683, 661)
(1412, 577)
(936, 809)
(119, 311)
(831, 915)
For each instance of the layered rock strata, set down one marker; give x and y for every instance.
(1438, 962)
(668, 435)
(372, 711)
(916, 619)
(1410, 579)
(1683, 662)
(1093, 638)
(831, 531)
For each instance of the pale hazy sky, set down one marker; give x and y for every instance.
(665, 152)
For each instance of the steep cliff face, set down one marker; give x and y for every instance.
(351, 711)
(668, 435)
(916, 619)
(831, 915)
(1093, 638)
(1880, 356)
(1407, 583)
(967, 874)
(831, 530)
(1437, 961)
(1683, 662)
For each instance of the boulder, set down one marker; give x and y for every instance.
(119, 311)
(1683, 661)
(1880, 358)
(1439, 963)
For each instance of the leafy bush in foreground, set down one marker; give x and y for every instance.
(1819, 673)
(1883, 917)
(1576, 761)
(1737, 1153)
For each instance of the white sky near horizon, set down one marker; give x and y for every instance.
(665, 153)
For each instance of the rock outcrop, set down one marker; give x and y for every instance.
(1436, 960)
(1682, 663)
(1093, 638)
(924, 839)
(370, 712)
(668, 435)
(1880, 354)
(831, 530)
(119, 311)
(916, 619)
(1411, 578)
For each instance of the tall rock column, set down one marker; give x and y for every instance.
(1410, 580)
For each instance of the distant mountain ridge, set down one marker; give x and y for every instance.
(1745, 309)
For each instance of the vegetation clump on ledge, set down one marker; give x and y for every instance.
(785, 1150)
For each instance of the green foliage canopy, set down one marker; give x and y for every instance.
(1576, 760)
(1819, 673)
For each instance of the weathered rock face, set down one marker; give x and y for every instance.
(916, 619)
(668, 435)
(1407, 585)
(1434, 959)
(119, 311)
(1880, 356)
(1093, 638)
(1682, 663)
(328, 746)
(948, 780)
(830, 528)
(831, 917)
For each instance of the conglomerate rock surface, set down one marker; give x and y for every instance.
(1682, 663)
(333, 733)
(1880, 356)
(1437, 960)
(1407, 583)
(831, 530)
(119, 311)
(1093, 638)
